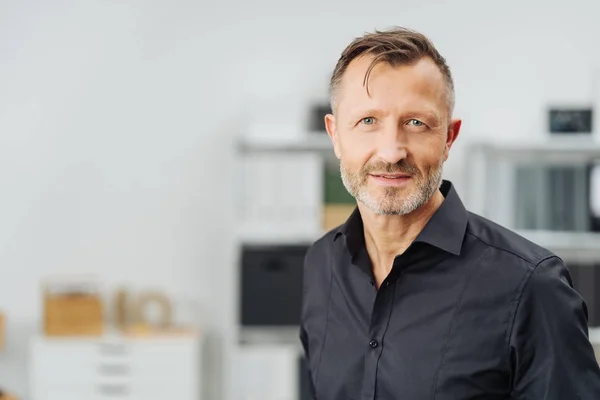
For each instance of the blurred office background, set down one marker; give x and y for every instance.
(163, 169)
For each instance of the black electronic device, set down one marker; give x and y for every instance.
(271, 285)
(570, 120)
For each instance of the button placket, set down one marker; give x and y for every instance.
(379, 321)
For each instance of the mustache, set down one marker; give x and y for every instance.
(401, 167)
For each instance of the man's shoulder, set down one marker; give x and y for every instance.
(506, 243)
(318, 260)
(324, 244)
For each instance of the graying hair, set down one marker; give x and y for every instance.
(396, 46)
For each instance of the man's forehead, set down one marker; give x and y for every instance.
(356, 71)
(423, 76)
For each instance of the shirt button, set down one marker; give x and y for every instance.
(373, 343)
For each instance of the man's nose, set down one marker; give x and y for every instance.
(392, 145)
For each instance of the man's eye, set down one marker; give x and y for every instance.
(415, 122)
(368, 120)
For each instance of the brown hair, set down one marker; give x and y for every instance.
(396, 46)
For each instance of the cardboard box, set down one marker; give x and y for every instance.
(73, 315)
(73, 309)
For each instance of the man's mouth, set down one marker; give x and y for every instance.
(391, 179)
(391, 176)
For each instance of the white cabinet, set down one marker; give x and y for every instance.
(116, 368)
(267, 372)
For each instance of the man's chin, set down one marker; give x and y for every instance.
(389, 193)
(383, 205)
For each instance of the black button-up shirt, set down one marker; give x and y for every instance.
(470, 310)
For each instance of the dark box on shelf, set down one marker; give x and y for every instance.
(271, 285)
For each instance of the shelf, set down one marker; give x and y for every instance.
(555, 150)
(277, 237)
(311, 142)
(570, 147)
(572, 247)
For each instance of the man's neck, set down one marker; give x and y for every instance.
(387, 236)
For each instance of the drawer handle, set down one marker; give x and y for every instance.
(113, 369)
(113, 390)
(112, 349)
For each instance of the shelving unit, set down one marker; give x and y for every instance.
(492, 169)
(489, 192)
(282, 184)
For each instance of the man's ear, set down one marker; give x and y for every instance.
(453, 131)
(331, 128)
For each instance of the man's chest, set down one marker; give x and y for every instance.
(420, 336)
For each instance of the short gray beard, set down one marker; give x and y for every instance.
(392, 203)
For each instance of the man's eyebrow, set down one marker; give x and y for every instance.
(364, 112)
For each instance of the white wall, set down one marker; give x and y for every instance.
(117, 118)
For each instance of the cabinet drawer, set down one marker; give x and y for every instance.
(116, 370)
(168, 362)
(65, 391)
(61, 363)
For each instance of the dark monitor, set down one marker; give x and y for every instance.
(271, 285)
(570, 120)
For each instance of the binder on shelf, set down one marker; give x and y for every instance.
(338, 204)
(335, 192)
(280, 196)
(551, 198)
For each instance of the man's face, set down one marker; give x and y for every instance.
(393, 141)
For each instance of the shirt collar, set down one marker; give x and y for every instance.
(445, 230)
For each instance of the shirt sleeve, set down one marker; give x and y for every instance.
(303, 334)
(551, 355)
(311, 387)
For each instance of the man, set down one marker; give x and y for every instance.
(414, 297)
